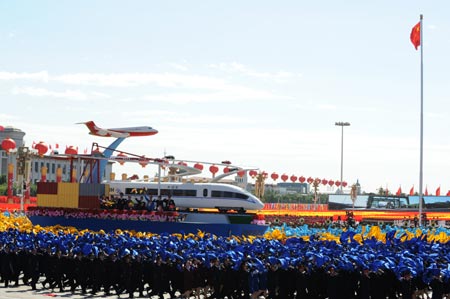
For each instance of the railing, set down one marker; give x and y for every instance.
(296, 206)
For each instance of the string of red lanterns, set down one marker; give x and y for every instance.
(293, 178)
(42, 148)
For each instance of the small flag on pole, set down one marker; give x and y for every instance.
(426, 191)
(399, 191)
(415, 35)
(438, 191)
(411, 191)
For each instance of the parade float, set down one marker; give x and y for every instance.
(86, 200)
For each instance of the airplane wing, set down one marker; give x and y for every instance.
(118, 134)
(109, 133)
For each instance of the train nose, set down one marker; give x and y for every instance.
(259, 205)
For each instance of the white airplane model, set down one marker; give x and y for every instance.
(119, 132)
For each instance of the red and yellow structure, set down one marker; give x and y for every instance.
(70, 195)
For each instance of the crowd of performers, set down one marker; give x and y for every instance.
(203, 265)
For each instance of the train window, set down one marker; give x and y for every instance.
(177, 192)
(205, 192)
(216, 193)
(181, 192)
(152, 192)
(241, 196)
(228, 194)
(191, 193)
(166, 192)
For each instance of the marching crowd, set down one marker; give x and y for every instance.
(217, 267)
(140, 275)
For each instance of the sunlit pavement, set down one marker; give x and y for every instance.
(25, 292)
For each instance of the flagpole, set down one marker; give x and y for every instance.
(421, 123)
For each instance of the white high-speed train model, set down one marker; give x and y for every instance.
(223, 197)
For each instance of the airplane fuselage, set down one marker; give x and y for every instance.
(120, 132)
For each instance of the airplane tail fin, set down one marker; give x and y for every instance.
(91, 126)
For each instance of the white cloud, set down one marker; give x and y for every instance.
(235, 67)
(140, 79)
(100, 95)
(326, 107)
(179, 67)
(4, 116)
(42, 92)
(229, 94)
(207, 119)
(38, 76)
(435, 115)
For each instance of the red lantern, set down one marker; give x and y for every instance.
(344, 184)
(71, 150)
(213, 169)
(182, 163)
(337, 183)
(121, 156)
(8, 144)
(324, 181)
(143, 162)
(226, 170)
(310, 180)
(293, 178)
(331, 182)
(198, 166)
(241, 173)
(284, 177)
(42, 148)
(274, 176)
(252, 173)
(302, 179)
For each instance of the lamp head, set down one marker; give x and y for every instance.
(342, 124)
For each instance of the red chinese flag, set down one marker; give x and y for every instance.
(438, 191)
(415, 35)
(448, 193)
(411, 192)
(426, 191)
(399, 191)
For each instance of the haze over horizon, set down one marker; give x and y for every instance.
(257, 83)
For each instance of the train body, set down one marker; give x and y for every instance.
(224, 197)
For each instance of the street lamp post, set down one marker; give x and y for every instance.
(342, 125)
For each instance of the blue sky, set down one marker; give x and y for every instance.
(259, 83)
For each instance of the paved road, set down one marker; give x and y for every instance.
(25, 292)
